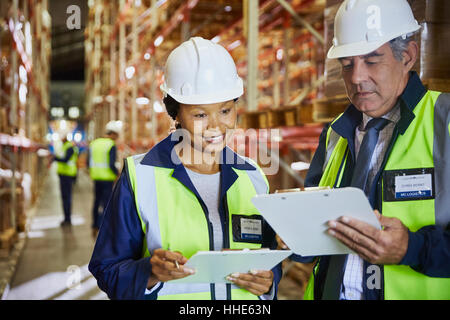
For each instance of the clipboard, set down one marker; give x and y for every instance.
(215, 266)
(300, 218)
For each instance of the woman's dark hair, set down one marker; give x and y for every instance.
(173, 106)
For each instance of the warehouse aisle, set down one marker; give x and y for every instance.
(53, 264)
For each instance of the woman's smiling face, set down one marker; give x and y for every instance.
(209, 126)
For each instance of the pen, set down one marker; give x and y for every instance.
(176, 262)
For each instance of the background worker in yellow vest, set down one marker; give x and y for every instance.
(101, 158)
(189, 193)
(393, 142)
(67, 172)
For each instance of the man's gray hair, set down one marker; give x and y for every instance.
(400, 44)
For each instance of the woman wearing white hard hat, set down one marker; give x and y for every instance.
(189, 193)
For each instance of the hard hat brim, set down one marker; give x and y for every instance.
(205, 99)
(353, 49)
(364, 47)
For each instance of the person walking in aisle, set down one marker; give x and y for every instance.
(394, 132)
(189, 193)
(67, 172)
(102, 155)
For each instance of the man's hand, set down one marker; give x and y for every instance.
(256, 281)
(386, 246)
(167, 265)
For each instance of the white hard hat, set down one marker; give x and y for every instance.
(362, 26)
(200, 71)
(114, 126)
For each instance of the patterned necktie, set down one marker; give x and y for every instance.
(364, 158)
(335, 272)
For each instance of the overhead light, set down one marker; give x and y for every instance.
(158, 41)
(142, 101)
(158, 107)
(74, 112)
(234, 45)
(279, 54)
(299, 166)
(228, 8)
(147, 56)
(129, 72)
(23, 93)
(77, 137)
(55, 136)
(97, 99)
(23, 74)
(57, 112)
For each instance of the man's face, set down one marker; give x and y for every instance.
(374, 81)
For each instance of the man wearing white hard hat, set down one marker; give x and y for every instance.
(189, 193)
(67, 172)
(102, 155)
(393, 142)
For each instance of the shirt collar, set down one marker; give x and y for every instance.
(346, 124)
(163, 155)
(393, 116)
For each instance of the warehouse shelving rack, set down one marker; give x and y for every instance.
(24, 74)
(122, 41)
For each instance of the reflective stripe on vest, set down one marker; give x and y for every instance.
(68, 168)
(423, 145)
(184, 228)
(99, 166)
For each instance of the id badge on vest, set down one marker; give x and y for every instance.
(409, 184)
(247, 228)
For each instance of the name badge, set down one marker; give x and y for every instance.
(247, 228)
(410, 184)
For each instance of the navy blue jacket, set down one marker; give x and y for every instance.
(428, 248)
(117, 261)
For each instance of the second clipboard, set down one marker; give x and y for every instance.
(215, 266)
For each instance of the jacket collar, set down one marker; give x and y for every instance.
(346, 124)
(163, 155)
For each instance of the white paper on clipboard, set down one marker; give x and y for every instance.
(215, 266)
(301, 218)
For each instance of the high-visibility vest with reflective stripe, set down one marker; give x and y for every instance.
(425, 144)
(68, 168)
(99, 166)
(172, 217)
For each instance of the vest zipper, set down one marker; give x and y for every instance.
(211, 241)
(226, 236)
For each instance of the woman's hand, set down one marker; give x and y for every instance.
(257, 282)
(167, 265)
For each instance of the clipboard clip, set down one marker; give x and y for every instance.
(302, 189)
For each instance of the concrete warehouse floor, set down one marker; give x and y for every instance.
(51, 264)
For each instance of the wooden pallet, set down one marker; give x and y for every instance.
(7, 240)
(441, 85)
(326, 109)
(249, 120)
(305, 114)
